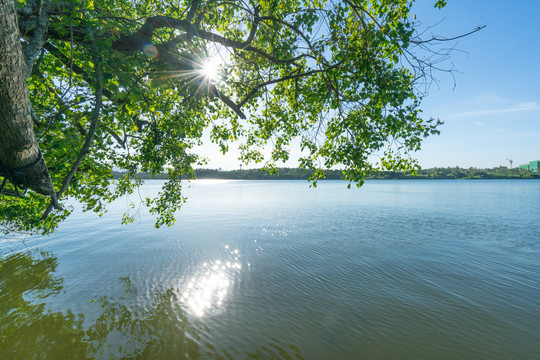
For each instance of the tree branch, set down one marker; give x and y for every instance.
(91, 129)
(77, 69)
(285, 78)
(116, 137)
(192, 10)
(12, 193)
(294, 28)
(438, 38)
(135, 41)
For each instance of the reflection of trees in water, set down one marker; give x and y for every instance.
(158, 331)
(30, 330)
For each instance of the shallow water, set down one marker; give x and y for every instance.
(275, 269)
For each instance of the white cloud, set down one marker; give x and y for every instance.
(514, 108)
(479, 123)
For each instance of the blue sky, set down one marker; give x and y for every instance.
(493, 113)
(491, 106)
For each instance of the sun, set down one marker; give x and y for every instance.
(210, 69)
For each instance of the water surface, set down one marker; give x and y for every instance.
(275, 269)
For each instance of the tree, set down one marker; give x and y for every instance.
(88, 86)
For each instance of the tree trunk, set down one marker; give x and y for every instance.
(20, 159)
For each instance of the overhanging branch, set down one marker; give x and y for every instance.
(91, 129)
(294, 75)
(442, 39)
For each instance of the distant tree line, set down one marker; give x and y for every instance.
(500, 172)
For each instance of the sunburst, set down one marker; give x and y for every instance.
(210, 70)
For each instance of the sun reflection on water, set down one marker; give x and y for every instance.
(207, 290)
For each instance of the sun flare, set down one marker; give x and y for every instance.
(210, 70)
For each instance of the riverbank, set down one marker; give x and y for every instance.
(449, 173)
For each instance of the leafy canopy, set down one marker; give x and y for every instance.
(344, 78)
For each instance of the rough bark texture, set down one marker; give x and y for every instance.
(20, 158)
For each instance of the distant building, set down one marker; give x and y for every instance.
(531, 166)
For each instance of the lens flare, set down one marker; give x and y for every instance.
(150, 50)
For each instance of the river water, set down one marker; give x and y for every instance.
(276, 269)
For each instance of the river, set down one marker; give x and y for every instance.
(276, 269)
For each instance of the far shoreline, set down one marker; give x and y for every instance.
(449, 173)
